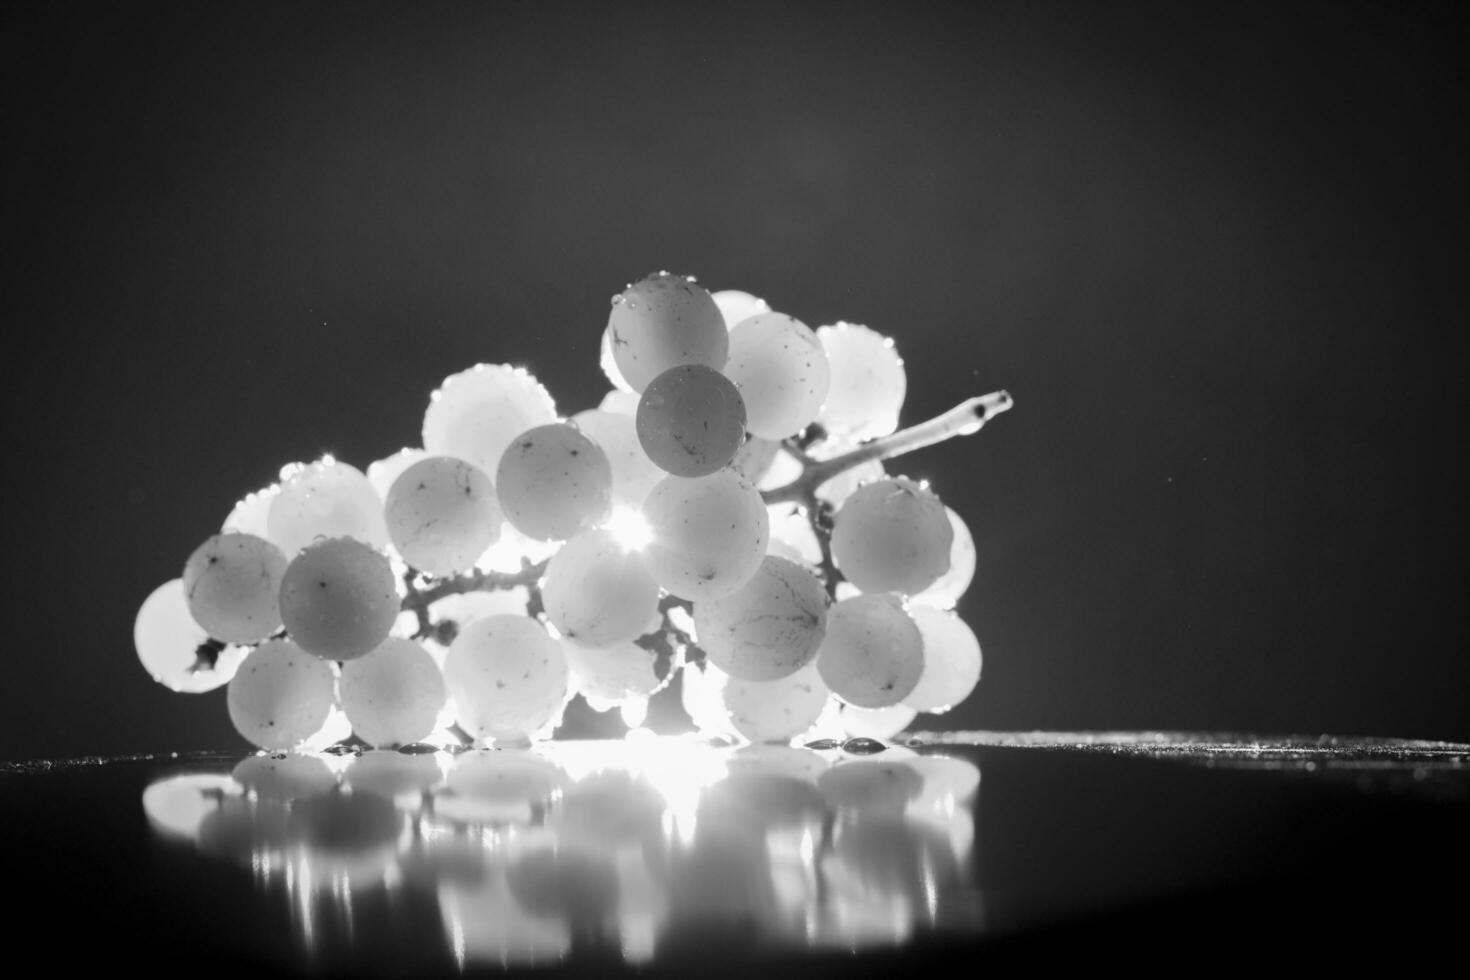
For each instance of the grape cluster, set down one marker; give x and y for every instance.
(723, 517)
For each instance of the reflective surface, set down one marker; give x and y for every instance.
(598, 857)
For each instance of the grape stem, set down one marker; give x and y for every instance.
(964, 419)
(420, 597)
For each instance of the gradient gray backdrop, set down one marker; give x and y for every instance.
(1217, 253)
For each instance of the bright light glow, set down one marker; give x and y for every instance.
(630, 529)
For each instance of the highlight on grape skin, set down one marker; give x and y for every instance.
(691, 420)
(692, 529)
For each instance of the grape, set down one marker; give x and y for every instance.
(620, 402)
(736, 306)
(633, 473)
(879, 723)
(691, 420)
(381, 473)
(393, 694)
(767, 629)
(476, 414)
(775, 710)
(613, 673)
(598, 593)
(281, 695)
(251, 514)
(781, 370)
(791, 529)
(553, 482)
(709, 534)
(951, 661)
(867, 382)
(507, 676)
(892, 536)
(325, 499)
(233, 582)
(946, 591)
(339, 598)
(755, 458)
(442, 515)
(167, 640)
(664, 321)
(873, 654)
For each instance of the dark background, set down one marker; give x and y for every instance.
(1216, 252)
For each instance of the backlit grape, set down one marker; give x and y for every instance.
(664, 321)
(553, 482)
(339, 598)
(691, 420)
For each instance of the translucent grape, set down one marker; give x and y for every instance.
(507, 676)
(781, 370)
(949, 587)
(791, 528)
(776, 710)
(892, 536)
(633, 473)
(614, 673)
(553, 482)
(393, 694)
(951, 660)
(873, 654)
(620, 402)
(251, 514)
(325, 499)
(768, 628)
(736, 306)
(596, 592)
(709, 534)
(477, 413)
(867, 385)
(233, 584)
(664, 321)
(879, 723)
(691, 420)
(281, 695)
(167, 640)
(754, 459)
(382, 472)
(442, 514)
(339, 598)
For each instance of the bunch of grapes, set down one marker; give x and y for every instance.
(723, 517)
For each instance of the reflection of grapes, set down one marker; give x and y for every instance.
(712, 503)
